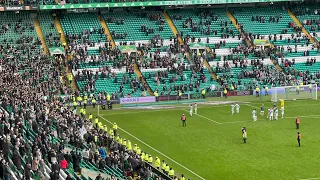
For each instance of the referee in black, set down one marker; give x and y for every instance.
(299, 138)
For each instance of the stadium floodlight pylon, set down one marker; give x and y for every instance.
(294, 92)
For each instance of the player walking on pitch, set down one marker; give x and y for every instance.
(244, 134)
(271, 114)
(276, 114)
(262, 110)
(191, 109)
(237, 108)
(232, 108)
(254, 115)
(297, 123)
(195, 106)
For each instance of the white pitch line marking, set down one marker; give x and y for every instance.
(204, 117)
(155, 149)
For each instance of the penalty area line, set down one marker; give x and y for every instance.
(154, 149)
(310, 179)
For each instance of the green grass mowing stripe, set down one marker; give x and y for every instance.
(154, 149)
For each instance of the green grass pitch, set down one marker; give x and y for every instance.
(211, 146)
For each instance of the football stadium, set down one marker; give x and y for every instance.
(159, 90)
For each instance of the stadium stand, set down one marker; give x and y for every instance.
(18, 35)
(137, 26)
(50, 33)
(48, 135)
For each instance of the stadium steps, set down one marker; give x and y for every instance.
(173, 27)
(276, 64)
(64, 43)
(61, 33)
(106, 30)
(175, 31)
(213, 74)
(139, 75)
(40, 35)
(297, 22)
(233, 20)
(89, 173)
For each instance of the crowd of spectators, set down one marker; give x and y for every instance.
(40, 128)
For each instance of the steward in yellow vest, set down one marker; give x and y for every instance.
(96, 120)
(171, 172)
(115, 127)
(203, 93)
(156, 95)
(94, 102)
(157, 163)
(163, 166)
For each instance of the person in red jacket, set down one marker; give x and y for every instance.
(297, 122)
(64, 164)
(184, 119)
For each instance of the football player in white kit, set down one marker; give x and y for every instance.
(195, 106)
(191, 109)
(232, 108)
(254, 115)
(237, 108)
(282, 112)
(271, 114)
(276, 113)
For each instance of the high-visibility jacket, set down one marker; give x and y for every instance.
(111, 132)
(146, 157)
(85, 101)
(129, 145)
(164, 165)
(85, 97)
(142, 156)
(75, 103)
(100, 125)
(203, 92)
(135, 147)
(167, 168)
(108, 97)
(124, 142)
(93, 101)
(84, 112)
(138, 150)
(225, 91)
(157, 162)
(105, 129)
(90, 116)
(81, 110)
(115, 126)
(171, 172)
(96, 120)
(150, 159)
(79, 98)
